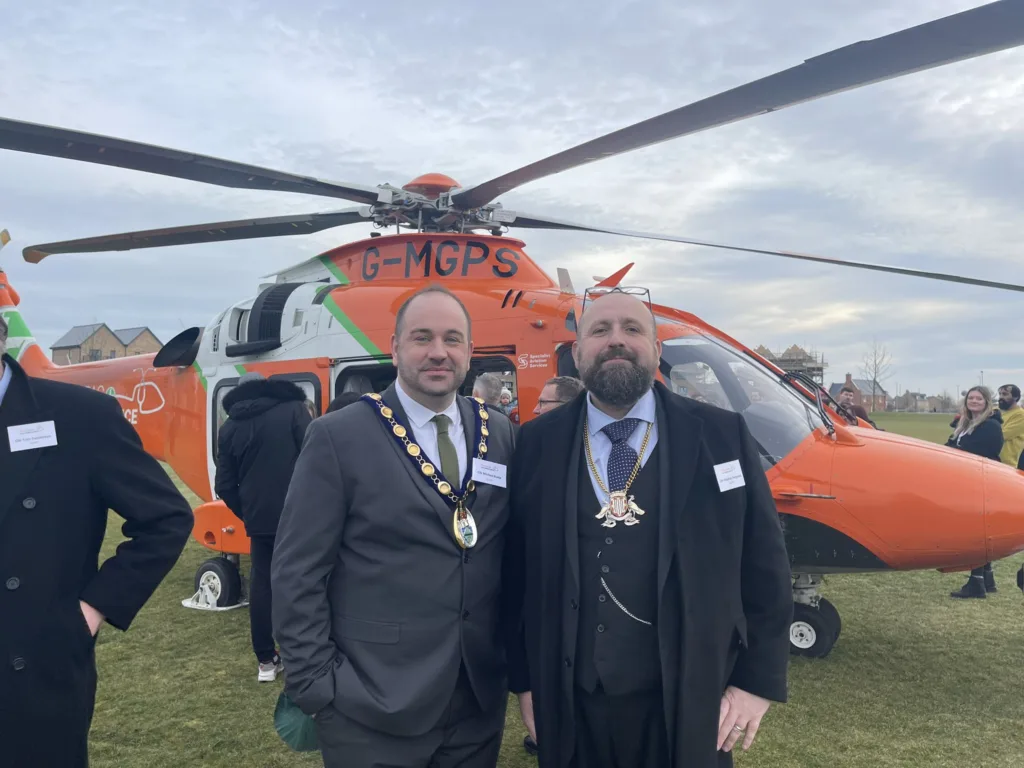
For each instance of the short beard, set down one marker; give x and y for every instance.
(618, 386)
(1004, 406)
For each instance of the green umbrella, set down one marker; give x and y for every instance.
(295, 727)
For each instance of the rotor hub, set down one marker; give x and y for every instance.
(432, 185)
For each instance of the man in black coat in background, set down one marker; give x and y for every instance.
(67, 456)
(256, 451)
(656, 630)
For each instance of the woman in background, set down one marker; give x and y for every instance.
(978, 430)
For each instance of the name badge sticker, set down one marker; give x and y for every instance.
(26, 437)
(730, 475)
(489, 472)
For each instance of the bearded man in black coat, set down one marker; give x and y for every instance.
(648, 595)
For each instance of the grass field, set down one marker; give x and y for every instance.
(916, 679)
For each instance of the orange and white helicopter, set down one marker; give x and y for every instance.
(326, 323)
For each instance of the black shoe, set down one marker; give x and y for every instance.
(530, 746)
(975, 587)
(990, 579)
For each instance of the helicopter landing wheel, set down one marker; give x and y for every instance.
(814, 629)
(220, 582)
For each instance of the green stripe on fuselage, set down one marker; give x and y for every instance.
(331, 267)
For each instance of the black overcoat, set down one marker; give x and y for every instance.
(724, 584)
(53, 517)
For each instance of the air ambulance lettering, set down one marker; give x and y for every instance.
(370, 269)
(451, 262)
(502, 257)
(423, 256)
(447, 258)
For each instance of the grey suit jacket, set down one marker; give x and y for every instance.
(375, 604)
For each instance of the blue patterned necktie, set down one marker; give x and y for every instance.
(623, 457)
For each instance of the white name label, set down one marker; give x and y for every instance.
(24, 437)
(730, 475)
(489, 472)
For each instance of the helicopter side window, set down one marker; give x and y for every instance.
(702, 368)
(566, 365)
(364, 378)
(505, 370)
(219, 414)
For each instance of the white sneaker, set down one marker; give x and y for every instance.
(270, 670)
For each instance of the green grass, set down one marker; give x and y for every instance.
(933, 427)
(915, 680)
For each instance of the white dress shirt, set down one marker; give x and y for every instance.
(601, 444)
(424, 431)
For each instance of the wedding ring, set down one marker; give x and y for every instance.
(737, 728)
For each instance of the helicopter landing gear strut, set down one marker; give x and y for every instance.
(816, 624)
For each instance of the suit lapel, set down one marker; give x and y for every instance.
(425, 486)
(568, 442)
(19, 407)
(679, 437)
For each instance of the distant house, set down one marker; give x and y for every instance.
(913, 402)
(85, 343)
(863, 393)
(797, 360)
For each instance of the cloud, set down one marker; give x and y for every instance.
(925, 172)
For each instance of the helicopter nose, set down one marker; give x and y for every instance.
(1004, 510)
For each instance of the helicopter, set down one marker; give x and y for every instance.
(325, 324)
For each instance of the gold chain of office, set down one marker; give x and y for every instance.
(619, 507)
(463, 525)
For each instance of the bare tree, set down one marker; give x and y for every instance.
(876, 368)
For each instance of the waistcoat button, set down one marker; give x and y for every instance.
(13, 583)
(29, 503)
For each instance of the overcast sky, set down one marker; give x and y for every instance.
(926, 171)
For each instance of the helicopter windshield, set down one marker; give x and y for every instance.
(705, 369)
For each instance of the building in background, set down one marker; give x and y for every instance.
(86, 343)
(874, 398)
(797, 360)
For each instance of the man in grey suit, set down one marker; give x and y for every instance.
(386, 572)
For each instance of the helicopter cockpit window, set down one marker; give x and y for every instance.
(707, 370)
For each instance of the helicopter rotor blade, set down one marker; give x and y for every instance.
(539, 222)
(975, 32)
(121, 153)
(217, 232)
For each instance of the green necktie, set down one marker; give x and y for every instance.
(445, 447)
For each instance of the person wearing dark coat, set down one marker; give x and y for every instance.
(256, 451)
(978, 429)
(67, 456)
(653, 633)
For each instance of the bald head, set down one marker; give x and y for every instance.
(619, 307)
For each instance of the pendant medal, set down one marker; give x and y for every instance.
(619, 509)
(464, 527)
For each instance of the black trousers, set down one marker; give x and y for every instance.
(464, 737)
(620, 731)
(261, 625)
